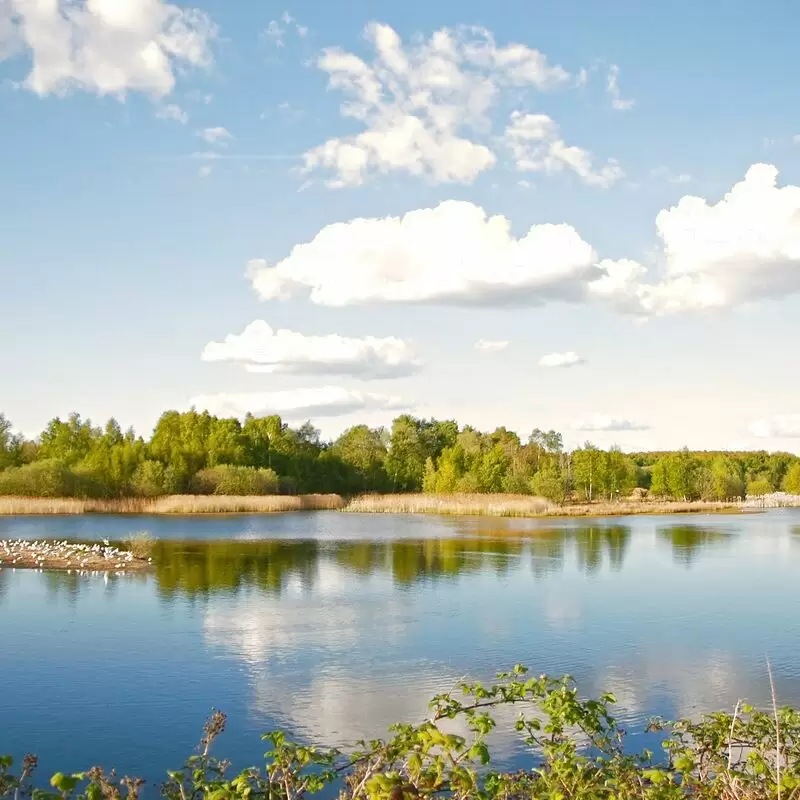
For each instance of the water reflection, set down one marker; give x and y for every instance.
(335, 632)
(688, 541)
(201, 568)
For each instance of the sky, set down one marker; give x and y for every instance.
(577, 216)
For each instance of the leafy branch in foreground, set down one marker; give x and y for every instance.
(577, 751)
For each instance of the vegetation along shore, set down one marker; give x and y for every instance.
(193, 457)
(575, 749)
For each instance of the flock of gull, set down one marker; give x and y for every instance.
(83, 559)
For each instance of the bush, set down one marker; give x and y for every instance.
(150, 479)
(576, 748)
(232, 480)
(47, 478)
(759, 487)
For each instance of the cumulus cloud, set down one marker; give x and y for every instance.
(173, 112)
(261, 349)
(600, 422)
(108, 47)
(780, 426)
(218, 135)
(491, 345)
(612, 87)
(712, 256)
(745, 247)
(423, 105)
(297, 404)
(535, 143)
(453, 253)
(569, 359)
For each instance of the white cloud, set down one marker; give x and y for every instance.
(205, 170)
(216, 135)
(298, 404)
(569, 359)
(453, 253)
(173, 112)
(536, 145)
(670, 177)
(612, 87)
(276, 31)
(600, 422)
(422, 106)
(745, 247)
(261, 349)
(780, 426)
(108, 47)
(491, 345)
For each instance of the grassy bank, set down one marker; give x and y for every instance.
(492, 505)
(173, 504)
(575, 749)
(511, 505)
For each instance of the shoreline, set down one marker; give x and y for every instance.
(64, 556)
(517, 506)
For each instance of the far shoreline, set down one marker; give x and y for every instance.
(490, 505)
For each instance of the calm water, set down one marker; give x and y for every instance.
(335, 625)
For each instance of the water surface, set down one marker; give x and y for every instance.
(334, 625)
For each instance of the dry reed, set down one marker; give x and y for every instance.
(499, 505)
(518, 505)
(173, 504)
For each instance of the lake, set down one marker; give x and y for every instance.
(332, 626)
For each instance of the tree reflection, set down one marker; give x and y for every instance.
(201, 568)
(689, 540)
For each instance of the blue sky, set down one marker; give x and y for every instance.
(162, 165)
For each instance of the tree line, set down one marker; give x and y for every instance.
(198, 453)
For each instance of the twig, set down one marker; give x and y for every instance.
(777, 728)
(730, 737)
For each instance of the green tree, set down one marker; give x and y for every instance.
(758, 487)
(619, 473)
(363, 449)
(550, 483)
(587, 469)
(791, 483)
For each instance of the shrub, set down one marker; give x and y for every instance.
(140, 544)
(47, 478)
(232, 480)
(758, 487)
(149, 479)
(576, 748)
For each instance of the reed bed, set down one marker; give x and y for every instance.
(624, 508)
(173, 504)
(496, 505)
(518, 505)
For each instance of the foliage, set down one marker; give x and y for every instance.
(576, 747)
(197, 452)
(791, 483)
(47, 478)
(758, 487)
(228, 479)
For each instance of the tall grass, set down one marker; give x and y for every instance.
(173, 504)
(500, 505)
(519, 505)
